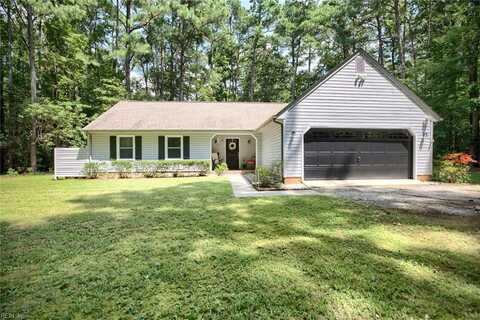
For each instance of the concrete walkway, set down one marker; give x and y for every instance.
(242, 188)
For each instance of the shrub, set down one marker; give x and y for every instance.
(92, 169)
(123, 167)
(269, 177)
(448, 171)
(201, 166)
(148, 168)
(12, 172)
(459, 158)
(221, 168)
(151, 168)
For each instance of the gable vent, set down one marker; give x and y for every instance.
(360, 74)
(360, 65)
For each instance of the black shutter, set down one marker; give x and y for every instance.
(138, 147)
(161, 147)
(113, 147)
(186, 147)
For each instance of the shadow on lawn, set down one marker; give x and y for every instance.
(194, 250)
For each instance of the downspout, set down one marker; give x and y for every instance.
(89, 143)
(281, 144)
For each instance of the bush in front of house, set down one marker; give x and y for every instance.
(221, 168)
(123, 167)
(149, 168)
(153, 168)
(93, 169)
(200, 166)
(269, 177)
(453, 168)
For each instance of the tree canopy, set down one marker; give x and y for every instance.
(65, 62)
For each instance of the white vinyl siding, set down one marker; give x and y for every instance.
(69, 162)
(199, 144)
(270, 145)
(340, 103)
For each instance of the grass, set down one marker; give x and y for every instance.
(475, 177)
(185, 248)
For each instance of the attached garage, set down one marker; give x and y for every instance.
(357, 154)
(357, 122)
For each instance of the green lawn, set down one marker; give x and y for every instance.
(476, 177)
(185, 248)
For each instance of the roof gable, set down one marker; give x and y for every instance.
(378, 68)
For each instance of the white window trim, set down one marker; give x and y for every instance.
(166, 148)
(118, 147)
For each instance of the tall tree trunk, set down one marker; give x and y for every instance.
(294, 68)
(11, 114)
(309, 65)
(475, 113)
(33, 85)
(379, 39)
(2, 119)
(117, 18)
(414, 51)
(182, 73)
(473, 55)
(173, 91)
(128, 55)
(162, 71)
(253, 67)
(115, 34)
(399, 38)
(145, 76)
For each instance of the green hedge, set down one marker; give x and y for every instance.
(151, 168)
(123, 167)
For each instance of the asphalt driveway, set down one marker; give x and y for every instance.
(426, 197)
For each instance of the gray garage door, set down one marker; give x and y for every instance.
(357, 154)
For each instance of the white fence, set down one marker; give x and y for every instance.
(68, 162)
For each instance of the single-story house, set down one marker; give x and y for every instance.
(357, 122)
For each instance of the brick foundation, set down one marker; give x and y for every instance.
(292, 180)
(425, 177)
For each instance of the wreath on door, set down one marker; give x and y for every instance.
(232, 146)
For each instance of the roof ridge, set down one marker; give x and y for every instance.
(200, 102)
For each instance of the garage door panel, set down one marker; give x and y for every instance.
(344, 158)
(397, 147)
(357, 154)
(372, 158)
(325, 158)
(317, 146)
(311, 158)
(345, 146)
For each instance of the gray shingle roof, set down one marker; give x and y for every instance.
(139, 115)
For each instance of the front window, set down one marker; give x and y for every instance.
(126, 148)
(174, 147)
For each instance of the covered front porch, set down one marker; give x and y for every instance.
(238, 151)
